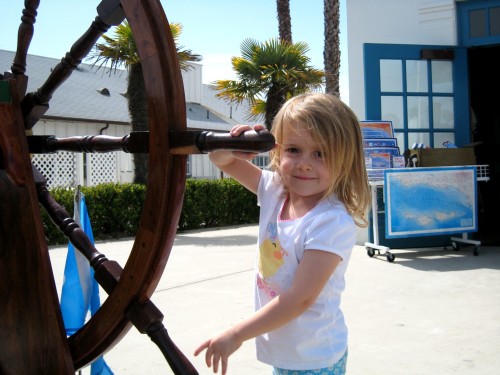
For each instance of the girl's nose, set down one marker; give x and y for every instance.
(304, 163)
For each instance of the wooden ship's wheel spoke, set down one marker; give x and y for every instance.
(32, 336)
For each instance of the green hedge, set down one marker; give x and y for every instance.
(216, 203)
(115, 209)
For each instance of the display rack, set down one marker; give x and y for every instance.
(376, 180)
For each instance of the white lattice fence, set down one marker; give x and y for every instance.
(60, 169)
(66, 169)
(102, 168)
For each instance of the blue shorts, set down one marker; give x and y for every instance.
(338, 368)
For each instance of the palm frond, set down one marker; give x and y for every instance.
(270, 71)
(121, 50)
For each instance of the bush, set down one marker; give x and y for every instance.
(216, 203)
(115, 209)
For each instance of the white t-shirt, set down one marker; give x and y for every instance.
(318, 337)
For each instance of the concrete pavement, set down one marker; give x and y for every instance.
(432, 311)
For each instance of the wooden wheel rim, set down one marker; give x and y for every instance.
(165, 189)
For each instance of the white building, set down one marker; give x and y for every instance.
(431, 67)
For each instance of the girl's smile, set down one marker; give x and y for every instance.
(304, 178)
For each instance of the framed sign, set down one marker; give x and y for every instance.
(380, 142)
(430, 201)
(368, 151)
(377, 129)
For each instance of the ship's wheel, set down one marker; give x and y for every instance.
(32, 335)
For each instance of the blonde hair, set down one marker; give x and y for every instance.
(335, 127)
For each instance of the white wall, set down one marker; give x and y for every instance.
(202, 167)
(236, 113)
(192, 83)
(396, 22)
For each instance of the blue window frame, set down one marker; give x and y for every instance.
(425, 97)
(478, 22)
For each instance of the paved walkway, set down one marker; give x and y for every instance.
(429, 312)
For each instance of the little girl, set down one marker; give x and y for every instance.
(310, 200)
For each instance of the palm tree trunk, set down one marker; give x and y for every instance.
(331, 52)
(284, 20)
(138, 109)
(274, 101)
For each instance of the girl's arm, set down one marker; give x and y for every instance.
(237, 164)
(313, 272)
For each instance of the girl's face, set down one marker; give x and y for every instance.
(303, 166)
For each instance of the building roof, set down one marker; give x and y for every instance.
(92, 94)
(78, 97)
(201, 117)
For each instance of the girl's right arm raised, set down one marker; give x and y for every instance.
(237, 164)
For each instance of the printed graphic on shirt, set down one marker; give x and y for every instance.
(271, 258)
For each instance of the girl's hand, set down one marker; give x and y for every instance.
(218, 350)
(239, 129)
(235, 163)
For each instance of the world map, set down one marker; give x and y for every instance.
(430, 201)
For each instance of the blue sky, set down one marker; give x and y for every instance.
(213, 29)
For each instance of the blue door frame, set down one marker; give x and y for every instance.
(374, 53)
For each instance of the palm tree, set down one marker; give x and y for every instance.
(121, 51)
(284, 20)
(331, 52)
(268, 74)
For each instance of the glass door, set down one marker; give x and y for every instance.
(423, 90)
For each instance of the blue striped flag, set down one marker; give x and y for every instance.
(80, 291)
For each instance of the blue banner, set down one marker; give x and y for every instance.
(80, 291)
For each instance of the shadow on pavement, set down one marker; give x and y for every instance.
(446, 260)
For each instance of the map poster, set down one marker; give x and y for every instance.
(430, 201)
(368, 151)
(377, 129)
